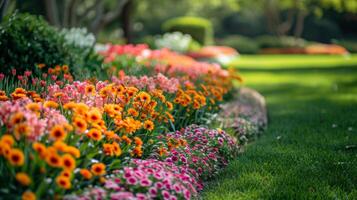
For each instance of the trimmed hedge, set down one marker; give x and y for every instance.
(27, 40)
(199, 28)
(242, 44)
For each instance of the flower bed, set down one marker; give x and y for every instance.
(127, 137)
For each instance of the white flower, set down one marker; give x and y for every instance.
(175, 41)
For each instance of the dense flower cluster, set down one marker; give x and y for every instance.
(67, 138)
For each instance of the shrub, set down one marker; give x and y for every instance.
(350, 45)
(200, 29)
(27, 40)
(268, 41)
(242, 44)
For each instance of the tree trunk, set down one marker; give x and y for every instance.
(299, 28)
(126, 20)
(52, 12)
(3, 6)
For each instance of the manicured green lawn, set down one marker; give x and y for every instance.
(310, 148)
(293, 61)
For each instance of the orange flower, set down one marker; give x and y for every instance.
(94, 116)
(23, 178)
(116, 149)
(149, 125)
(41, 65)
(80, 124)
(54, 160)
(17, 118)
(73, 151)
(59, 145)
(69, 105)
(90, 89)
(58, 133)
(81, 108)
(5, 149)
(21, 129)
(28, 195)
(50, 104)
(66, 173)
(138, 141)
(108, 149)
(65, 68)
(133, 112)
(98, 169)
(169, 105)
(95, 134)
(138, 151)
(34, 107)
(68, 162)
(63, 182)
(144, 97)
(7, 139)
(16, 157)
(39, 148)
(86, 174)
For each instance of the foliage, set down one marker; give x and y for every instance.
(350, 45)
(27, 40)
(242, 44)
(199, 28)
(280, 42)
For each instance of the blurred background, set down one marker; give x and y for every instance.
(249, 26)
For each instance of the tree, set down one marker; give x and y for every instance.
(93, 14)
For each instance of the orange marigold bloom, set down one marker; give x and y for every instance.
(54, 160)
(94, 116)
(95, 134)
(68, 162)
(5, 149)
(28, 195)
(17, 118)
(63, 182)
(21, 129)
(66, 173)
(80, 124)
(108, 149)
(59, 145)
(138, 141)
(34, 107)
(133, 112)
(16, 157)
(69, 105)
(8, 139)
(117, 149)
(144, 97)
(86, 174)
(65, 68)
(23, 178)
(169, 105)
(39, 148)
(58, 133)
(50, 104)
(98, 169)
(89, 89)
(73, 151)
(81, 108)
(138, 151)
(149, 125)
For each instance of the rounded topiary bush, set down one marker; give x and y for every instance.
(27, 40)
(200, 29)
